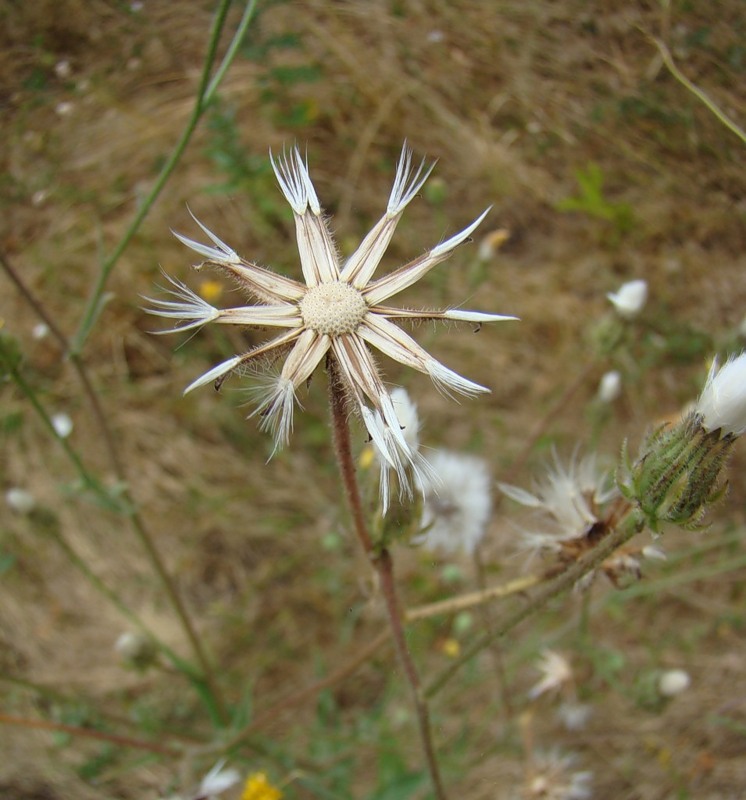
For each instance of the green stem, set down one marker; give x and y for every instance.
(207, 678)
(146, 540)
(722, 117)
(558, 586)
(79, 563)
(205, 93)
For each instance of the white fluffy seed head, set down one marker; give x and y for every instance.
(333, 308)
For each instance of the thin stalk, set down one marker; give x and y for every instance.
(75, 359)
(702, 96)
(383, 564)
(559, 585)
(80, 563)
(471, 599)
(90, 733)
(205, 93)
(146, 540)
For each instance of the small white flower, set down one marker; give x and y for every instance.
(63, 69)
(556, 673)
(64, 109)
(339, 311)
(722, 404)
(673, 682)
(20, 500)
(552, 778)
(40, 331)
(630, 298)
(574, 716)
(136, 650)
(653, 553)
(610, 386)
(218, 780)
(62, 425)
(457, 502)
(39, 197)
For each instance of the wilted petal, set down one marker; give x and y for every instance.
(188, 307)
(402, 278)
(216, 372)
(520, 495)
(455, 314)
(407, 181)
(221, 252)
(447, 381)
(285, 316)
(363, 262)
(292, 175)
(318, 255)
(268, 286)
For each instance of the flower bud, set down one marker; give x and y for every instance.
(610, 387)
(676, 475)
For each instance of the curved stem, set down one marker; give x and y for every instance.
(384, 567)
(702, 96)
(125, 505)
(205, 93)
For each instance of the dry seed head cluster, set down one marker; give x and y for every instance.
(339, 311)
(333, 309)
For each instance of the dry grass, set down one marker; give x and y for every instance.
(513, 98)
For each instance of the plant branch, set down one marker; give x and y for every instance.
(722, 117)
(205, 93)
(559, 585)
(146, 540)
(384, 567)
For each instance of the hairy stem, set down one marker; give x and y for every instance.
(384, 567)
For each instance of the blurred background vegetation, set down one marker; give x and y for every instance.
(600, 168)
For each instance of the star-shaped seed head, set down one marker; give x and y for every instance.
(338, 312)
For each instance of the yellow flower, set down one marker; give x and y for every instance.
(451, 647)
(259, 788)
(367, 457)
(210, 290)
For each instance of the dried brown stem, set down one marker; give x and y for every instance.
(384, 567)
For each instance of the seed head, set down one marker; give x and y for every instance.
(338, 311)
